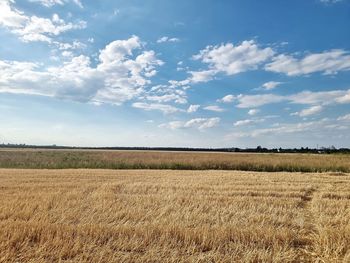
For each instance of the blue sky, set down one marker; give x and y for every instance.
(175, 73)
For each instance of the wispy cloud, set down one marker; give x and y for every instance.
(330, 1)
(327, 62)
(214, 108)
(322, 125)
(168, 39)
(344, 118)
(50, 3)
(309, 111)
(247, 122)
(167, 109)
(304, 97)
(198, 123)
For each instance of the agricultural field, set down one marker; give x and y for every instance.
(85, 215)
(62, 159)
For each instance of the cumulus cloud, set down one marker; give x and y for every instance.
(271, 85)
(119, 76)
(11, 17)
(34, 28)
(118, 50)
(231, 60)
(227, 99)
(227, 59)
(181, 99)
(201, 76)
(72, 46)
(168, 39)
(198, 123)
(193, 108)
(328, 62)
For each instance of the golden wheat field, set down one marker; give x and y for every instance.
(173, 216)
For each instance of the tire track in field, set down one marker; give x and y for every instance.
(309, 230)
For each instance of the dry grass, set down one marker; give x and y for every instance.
(63, 159)
(173, 216)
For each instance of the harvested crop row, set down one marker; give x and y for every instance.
(173, 216)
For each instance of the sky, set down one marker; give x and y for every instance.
(185, 73)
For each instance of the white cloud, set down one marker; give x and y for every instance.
(310, 111)
(11, 17)
(330, 1)
(290, 128)
(231, 59)
(203, 123)
(198, 123)
(201, 76)
(319, 97)
(34, 28)
(304, 97)
(227, 59)
(173, 125)
(253, 111)
(247, 122)
(227, 99)
(250, 101)
(214, 108)
(167, 109)
(23, 77)
(73, 46)
(344, 99)
(344, 118)
(271, 85)
(168, 97)
(67, 53)
(119, 76)
(50, 3)
(167, 39)
(118, 50)
(328, 62)
(193, 108)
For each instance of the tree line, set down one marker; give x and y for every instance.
(258, 149)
